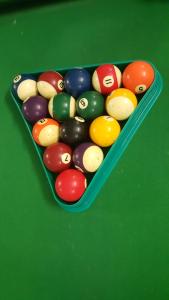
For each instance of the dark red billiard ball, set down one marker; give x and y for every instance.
(70, 185)
(57, 157)
(50, 84)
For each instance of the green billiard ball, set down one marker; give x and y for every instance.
(90, 105)
(62, 107)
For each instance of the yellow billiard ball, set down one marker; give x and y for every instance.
(121, 103)
(104, 131)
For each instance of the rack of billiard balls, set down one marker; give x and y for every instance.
(76, 116)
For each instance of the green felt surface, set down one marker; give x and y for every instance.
(119, 248)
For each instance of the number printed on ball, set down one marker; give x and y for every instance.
(108, 81)
(66, 158)
(83, 103)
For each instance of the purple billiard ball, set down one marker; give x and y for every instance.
(35, 108)
(87, 157)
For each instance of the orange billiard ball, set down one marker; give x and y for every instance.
(138, 76)
(46, 132)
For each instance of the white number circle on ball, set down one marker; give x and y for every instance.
(108, 81)
(66, 158)
(83, 103)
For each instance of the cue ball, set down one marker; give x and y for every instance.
(138, 76)
(62, 107)
(35, 108)
(77, 81)
(70, 185)
(24, 86)
(50, 84)
(106, 78)
(90, 105)
(121, 103)
(87, 157)
(74, 131)
(104, 131)
(46, 132)
(57, 157)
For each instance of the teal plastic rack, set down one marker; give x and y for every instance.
(96, 181)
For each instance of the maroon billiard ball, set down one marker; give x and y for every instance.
(57, 157)
(87, 157)
(50, 84)
(70, 185)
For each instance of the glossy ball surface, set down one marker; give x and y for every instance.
(62, 107)
(77, 81)
(35, 108)
(121, 103)
(138, 76)
(104, 131)
(46, 132)
(50, 84)
(87, 157)
(70, 185)
(74, 131)
(106, 78)
(24, 86)
(57, 157)
(90, 105)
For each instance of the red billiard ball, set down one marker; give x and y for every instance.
(57, 157)
(50, 84)
(106, 78)
(70, 185)
(45, 132)
(138, 76)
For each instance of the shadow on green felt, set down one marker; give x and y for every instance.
(37, 168)
(10, 6)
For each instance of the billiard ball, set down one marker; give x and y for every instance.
(87, 157)
(35, 108)
(70, 185)
(45, 132)
(74, 131)
(57, 157)
(121, 103)
(24, 86)
(90, 105)
(138, 76)
(104, 131)
(106, 78)
(77, 81)
(62, 106)
(50, 84)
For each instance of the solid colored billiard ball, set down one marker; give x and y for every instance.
(24, 86)
(62, 107)
(88, 157)
(74, 131)
(57, 157)
(104, 131)
(50, 83)
(70, 185)
(77, 81)
(46, 132)
(138, 76)
(90, 105)
(106, 78)
(35, 108)
(121, 103)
